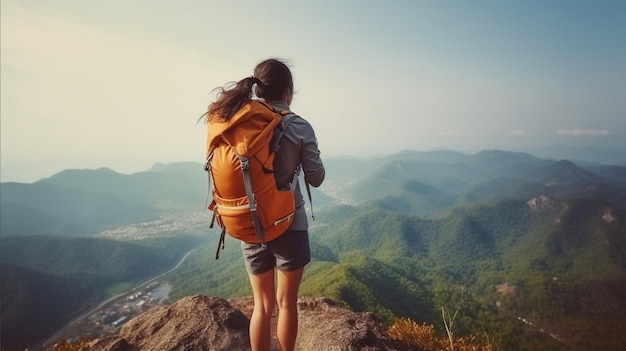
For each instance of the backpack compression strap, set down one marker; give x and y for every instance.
(247, 182)
(220, 243)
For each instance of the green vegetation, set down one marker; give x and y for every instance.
(432, 232)
(118, 288)
(202, 273)
(563, 267)
(48, 280)
(32, 303)
(104, 260)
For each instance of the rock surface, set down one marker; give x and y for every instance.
(211, 323)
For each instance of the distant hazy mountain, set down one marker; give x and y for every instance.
(170, 187)
(431, 184)
(50, 209)
(581, 154)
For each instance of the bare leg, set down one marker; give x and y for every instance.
(287, 296)
(264, 303)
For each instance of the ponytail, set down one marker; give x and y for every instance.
(272, 78)
(229, 101)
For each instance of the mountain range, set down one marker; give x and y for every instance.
(530, 251)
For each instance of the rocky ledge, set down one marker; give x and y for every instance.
(211, 323)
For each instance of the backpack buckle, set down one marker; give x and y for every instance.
(245, 164)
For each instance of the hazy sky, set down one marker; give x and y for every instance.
(121, 84)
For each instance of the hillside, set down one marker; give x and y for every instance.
(58, 277)
(28, 295)
(419, 265)
(563, 261)
(530, 251)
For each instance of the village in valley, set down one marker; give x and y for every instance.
(108, 317)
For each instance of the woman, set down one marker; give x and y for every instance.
(275, 268)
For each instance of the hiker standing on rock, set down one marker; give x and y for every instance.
(274, 256)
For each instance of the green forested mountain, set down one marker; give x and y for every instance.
(558, 265)
(46, 280)
(530, 251)
(550, 255)
(36, 304)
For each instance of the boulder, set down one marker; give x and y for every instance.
(211, 323)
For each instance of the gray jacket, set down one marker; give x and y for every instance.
(298, 147)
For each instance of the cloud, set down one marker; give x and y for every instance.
(582, 132)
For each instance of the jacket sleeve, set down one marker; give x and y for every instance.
(310, 159)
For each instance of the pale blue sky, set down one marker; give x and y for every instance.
(120, 84)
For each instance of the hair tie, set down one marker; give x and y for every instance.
(256, 80)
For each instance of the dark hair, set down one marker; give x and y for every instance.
(272, 77)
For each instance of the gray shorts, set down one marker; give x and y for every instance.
(288, 252)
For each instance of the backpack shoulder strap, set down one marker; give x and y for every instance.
(288, 118)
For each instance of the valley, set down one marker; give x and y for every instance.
(110, 314)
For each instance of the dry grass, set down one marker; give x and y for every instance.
(421, 338)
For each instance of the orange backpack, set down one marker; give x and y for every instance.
(240, 154)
